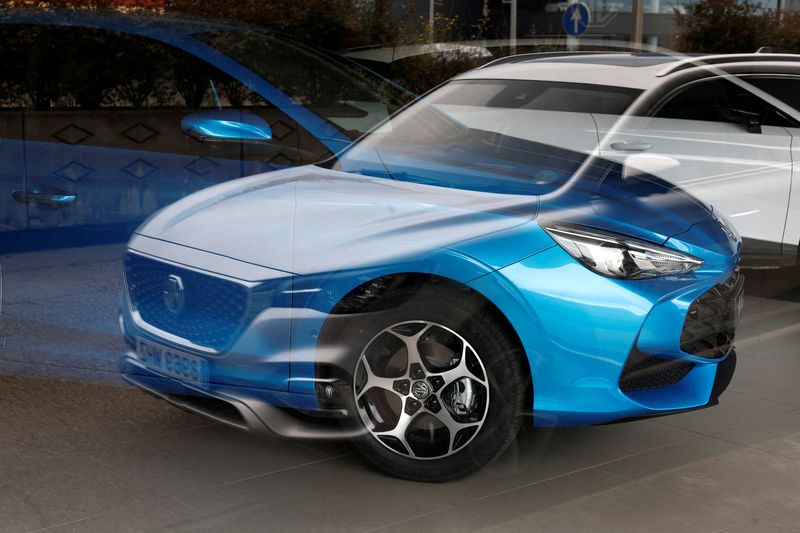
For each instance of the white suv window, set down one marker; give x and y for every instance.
(785, 89)
(720, 100)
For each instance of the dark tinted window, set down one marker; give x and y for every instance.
(719, 100)
(786, 90)
(538, 95)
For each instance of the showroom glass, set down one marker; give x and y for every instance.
(483, 135)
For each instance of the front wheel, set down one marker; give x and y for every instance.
(437, 384)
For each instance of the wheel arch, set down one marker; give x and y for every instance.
(382, 288)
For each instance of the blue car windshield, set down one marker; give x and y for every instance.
(487, 135)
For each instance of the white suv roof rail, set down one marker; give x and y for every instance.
(518, 58)
(699, 61)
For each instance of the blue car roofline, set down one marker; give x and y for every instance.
(164, 33)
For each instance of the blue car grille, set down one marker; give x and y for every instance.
(210, 311)
(711, 321)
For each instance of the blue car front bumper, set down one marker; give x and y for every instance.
(602, 349)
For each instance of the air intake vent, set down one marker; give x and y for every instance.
(645, 372)
(710, 323)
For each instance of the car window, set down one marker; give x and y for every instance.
(785, 89)
(538, 95)
(719, 100)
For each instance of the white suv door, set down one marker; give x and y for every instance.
(787, 89)
(701, 140)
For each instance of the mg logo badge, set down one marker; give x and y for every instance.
(420, 389)
(173, 293)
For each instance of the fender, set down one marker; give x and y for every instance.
(315, 296)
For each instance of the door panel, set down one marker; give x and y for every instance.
(791, 235)
(786, 89)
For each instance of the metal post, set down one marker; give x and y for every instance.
(431, 13)
(637, 21)
(512, 34)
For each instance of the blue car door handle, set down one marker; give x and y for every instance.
(51, 197)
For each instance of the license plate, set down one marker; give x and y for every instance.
(172, 363)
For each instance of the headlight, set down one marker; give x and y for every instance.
(617, 256)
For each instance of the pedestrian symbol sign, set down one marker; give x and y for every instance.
(576, 19)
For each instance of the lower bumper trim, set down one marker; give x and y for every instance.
(239, 411)
(723, 378)
(222, 411)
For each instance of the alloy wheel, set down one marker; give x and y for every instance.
(421, 390)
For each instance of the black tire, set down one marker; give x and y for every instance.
(479, 325)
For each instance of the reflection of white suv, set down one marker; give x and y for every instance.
(726, 128)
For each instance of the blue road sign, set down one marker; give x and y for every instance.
(576, 19)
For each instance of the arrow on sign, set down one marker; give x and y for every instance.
(576, 20)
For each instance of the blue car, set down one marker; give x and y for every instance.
(433, 287)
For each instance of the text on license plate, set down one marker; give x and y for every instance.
(178, 365)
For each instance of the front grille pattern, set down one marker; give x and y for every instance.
(645, 372)
(710, 323)
(213, 308)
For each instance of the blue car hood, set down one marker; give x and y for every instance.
(310, 219)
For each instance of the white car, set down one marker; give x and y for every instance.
(726, 128)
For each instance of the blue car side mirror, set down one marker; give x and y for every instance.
(227, 125)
